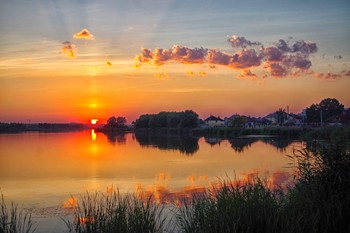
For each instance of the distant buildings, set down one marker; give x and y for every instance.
(278, 118)
(214, 122)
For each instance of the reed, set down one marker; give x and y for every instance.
(319, 200)
(114, 212)
(13, 220)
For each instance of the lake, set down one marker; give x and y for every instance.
(42, 172)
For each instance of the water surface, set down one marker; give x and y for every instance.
(42, 171)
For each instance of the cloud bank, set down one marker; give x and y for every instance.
(282, 58)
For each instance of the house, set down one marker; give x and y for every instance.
(214, 122)
(228, 120)
(272, 117)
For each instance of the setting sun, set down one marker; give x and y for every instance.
(93, 121)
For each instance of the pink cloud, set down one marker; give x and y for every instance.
(281, 59)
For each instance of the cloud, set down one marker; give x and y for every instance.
(199, 73)
(178, 53)
(330, 75)
(240, 41)
(69, 49)
(280, 59)
(84, 34)
(247, 74)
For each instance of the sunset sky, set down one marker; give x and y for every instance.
(74, 60)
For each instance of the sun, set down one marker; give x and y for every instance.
(93, 121)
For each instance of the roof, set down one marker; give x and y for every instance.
(212, 118)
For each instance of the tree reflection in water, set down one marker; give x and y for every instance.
(185, 144)
(116, 137)
(188, 145)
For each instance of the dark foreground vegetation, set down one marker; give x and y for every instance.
(317, 201)
(13, 220)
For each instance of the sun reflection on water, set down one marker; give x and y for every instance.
(93, 135)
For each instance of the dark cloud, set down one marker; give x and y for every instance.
(216, 57)
(304, 47)
(241, 42)
(178, 53)
(282, 45)
(281, 59)
(277, 70)
(273, 54)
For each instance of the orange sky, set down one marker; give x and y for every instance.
(76, 67)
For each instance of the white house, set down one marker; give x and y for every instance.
(214, 122)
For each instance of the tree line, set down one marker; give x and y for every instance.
(180, 120)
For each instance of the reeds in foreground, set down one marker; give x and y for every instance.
(114, 212)
(234, 207)
(13, 220)
(319, 201)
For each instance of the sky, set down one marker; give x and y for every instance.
(74, 60)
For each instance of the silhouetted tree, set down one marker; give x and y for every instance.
(116, 122)
(238, 122)
(281, 116)
(329, 108)
(185, 119)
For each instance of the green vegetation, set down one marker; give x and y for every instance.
(110, 213)
(178, 120)
(13, 220)
(318, 202)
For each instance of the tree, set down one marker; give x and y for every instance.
(329, 108)
(143, 121)
(281, 116)
(189, 119)
(238, 122)
(185, 119)
(116, 122)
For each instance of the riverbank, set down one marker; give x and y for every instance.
(41, 127)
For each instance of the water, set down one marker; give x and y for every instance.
(42, 172)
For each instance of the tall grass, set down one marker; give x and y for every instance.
(318, 202)
(250, 207)
(113, 212)
(13, 220)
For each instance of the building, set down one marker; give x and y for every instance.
(214, 122)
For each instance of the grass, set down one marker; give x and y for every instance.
(113, 212)
(234, 207)
(13, 220)
(318, 202)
